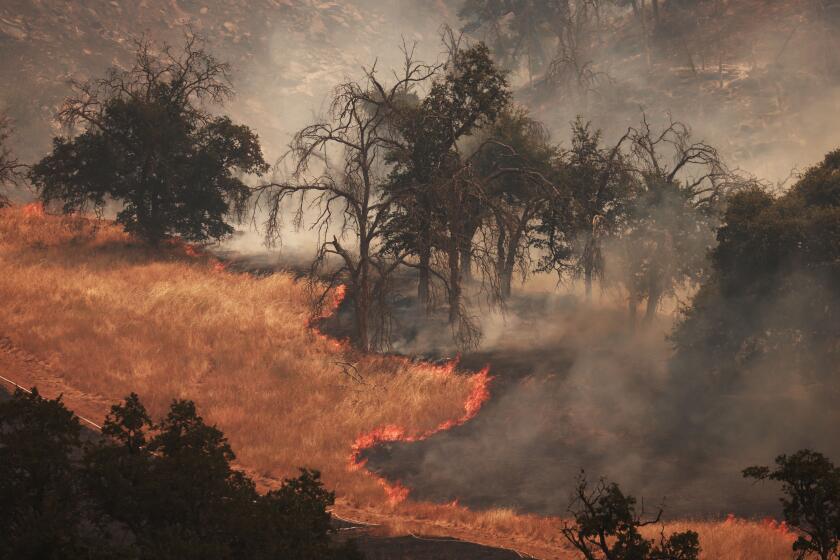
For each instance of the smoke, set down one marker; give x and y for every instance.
(575, 386)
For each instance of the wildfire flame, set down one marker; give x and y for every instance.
(328, 308)
(33, 210)
(480, 392)
(396, 492)
(779, 527)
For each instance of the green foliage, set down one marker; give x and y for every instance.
(773, 293)
(148, 144)
(606, 526)
(811, 502)
(146, 490)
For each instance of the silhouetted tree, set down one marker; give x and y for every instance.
(340, 162)
(514, 163)
(150, 143)
(681, 187)
(595, 191)
(42, 512)
(811, 484)
(145, 491)
(772, 294)
(11, 170)
(606, 526)
(438, 197)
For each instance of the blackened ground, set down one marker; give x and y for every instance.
(574, 388)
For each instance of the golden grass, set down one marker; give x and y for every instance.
(110, 316)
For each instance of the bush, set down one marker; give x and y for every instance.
(606, 526)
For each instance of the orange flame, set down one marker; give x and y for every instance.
(33, 210)
(395, 491)
(779, 527)
(329, 307)
(480, 392)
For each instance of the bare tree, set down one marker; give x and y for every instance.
(340, 170)
(11, 170)
(189, 77)
(682, 185)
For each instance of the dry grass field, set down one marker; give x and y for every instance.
(90, 313)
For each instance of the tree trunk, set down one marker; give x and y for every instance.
(587, 281)
(655, 4)
(362, 295)
(654, 295)
(424, 280)
(466, 253)
(632, 304)
(509, 264)
(362, 309)
(454, 280)
(501, 251)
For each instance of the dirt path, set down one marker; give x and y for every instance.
(19, 367)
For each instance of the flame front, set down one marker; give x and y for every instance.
(479, 393)
(396, 492)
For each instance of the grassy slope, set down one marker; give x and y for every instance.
(90, 313)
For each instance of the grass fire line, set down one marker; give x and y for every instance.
(105, 315)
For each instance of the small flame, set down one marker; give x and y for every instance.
(33, 210)
(779, 527)
(396, 492)
(191, 250)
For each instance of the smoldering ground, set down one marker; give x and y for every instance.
(575, 388)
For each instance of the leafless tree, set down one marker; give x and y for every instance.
(191, 76)
(11, 169)
(339, 170)
(682, 186)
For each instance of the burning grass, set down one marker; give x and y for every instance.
(110, 316)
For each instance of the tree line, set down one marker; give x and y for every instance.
(146, 490)
(155, 490)
(436, 170)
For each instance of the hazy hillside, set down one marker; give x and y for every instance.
(285, 54)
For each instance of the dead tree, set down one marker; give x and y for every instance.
(11, 170)
(682, 184)
(339, 170)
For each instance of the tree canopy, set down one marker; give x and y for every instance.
(149, 142)
(772, 293)
(145, 490)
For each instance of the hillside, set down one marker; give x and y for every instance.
(751, 76)
(285, 54)
(91, 314)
